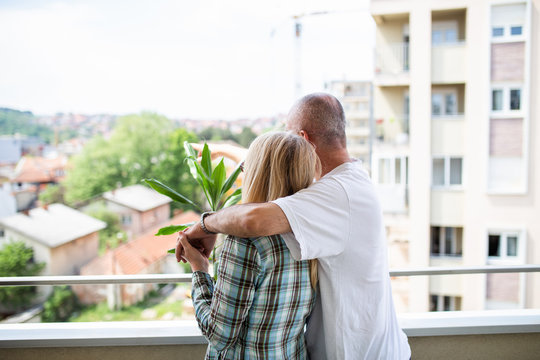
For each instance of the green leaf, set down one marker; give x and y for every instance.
(218, 178)
(232, 178)
(233, 199)
(172, 251)
(171, 229)
(190, 151)
(167, 191)
(206, 160)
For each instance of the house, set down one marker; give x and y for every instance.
(139, 207)
(63, 238)
(147, 254)
(32, 175)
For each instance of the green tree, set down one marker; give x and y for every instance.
(53, 193)
(141, 146)
(175, 171)
(60, 305)
(112, 235)
(23, 122)
(16, 259)
(246, 137)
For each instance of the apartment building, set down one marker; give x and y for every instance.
(355, 96)
(456, 159)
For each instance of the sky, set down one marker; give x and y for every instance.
(205, 59)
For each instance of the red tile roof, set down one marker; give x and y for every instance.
(138, 254)
(40, 170)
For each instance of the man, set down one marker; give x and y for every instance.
(338, 221)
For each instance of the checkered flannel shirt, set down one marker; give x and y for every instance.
(259, 305)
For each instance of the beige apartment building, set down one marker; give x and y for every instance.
(355, 96)
(456, 157)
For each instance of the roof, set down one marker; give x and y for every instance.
(137, 197)
(39, 169)
(54, 226)
(138, 254)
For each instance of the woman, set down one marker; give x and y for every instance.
(259, 305)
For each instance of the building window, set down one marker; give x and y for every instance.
(443, 103)
(444, 32)
(2, 234)
(126, 219)
(506, 99)
(515, 99)
(496, 99)
(446, 241)
(447, 171)
(503, 245)
(516, 30)
(392, 171)
(497, 31)
(444, 303)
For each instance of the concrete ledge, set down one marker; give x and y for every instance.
(122, 333)
(450, 323)
(98, 334)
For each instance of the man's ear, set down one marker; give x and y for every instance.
(304, 134)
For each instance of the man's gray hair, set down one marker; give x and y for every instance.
(322, 116)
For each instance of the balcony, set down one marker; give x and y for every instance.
(446, 205)
(508, 334)
(392, 65)
(448, 134)
(449, 63)
(393, 198)
(392, 130)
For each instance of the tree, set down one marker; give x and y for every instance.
(23, 122)
(112, 235)
(246, 137)
(53, 193)
(141, 146)
(60, 305)
(16, 259)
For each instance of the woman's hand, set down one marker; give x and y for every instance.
(196, 259)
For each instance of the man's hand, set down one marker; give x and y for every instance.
(199, 239)
(197, 260)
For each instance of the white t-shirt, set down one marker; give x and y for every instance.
(338, 220)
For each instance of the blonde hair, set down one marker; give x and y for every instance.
(279, 164)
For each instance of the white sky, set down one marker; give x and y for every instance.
(197, 59)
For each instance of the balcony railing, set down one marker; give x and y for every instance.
(392, 59)
(518, 330)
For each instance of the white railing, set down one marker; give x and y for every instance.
(392, 58)
(186, 278)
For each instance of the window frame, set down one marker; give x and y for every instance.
(442, 242)
(446, 183)
(507, 33)
(506, 100)
(444, 27)
(403, 173)
(504, 258)
(440, 302)
(443, 93)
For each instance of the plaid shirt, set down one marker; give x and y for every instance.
(259, 304)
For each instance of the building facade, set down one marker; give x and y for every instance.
(455, 161)
(355, 96)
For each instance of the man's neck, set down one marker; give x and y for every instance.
(331, 160)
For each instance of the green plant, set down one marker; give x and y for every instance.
(213, 181)
(16, 259)
(60, 305)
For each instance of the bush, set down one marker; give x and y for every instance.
(60, 305)
(16, 259)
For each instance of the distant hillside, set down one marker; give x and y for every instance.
(23, 122)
